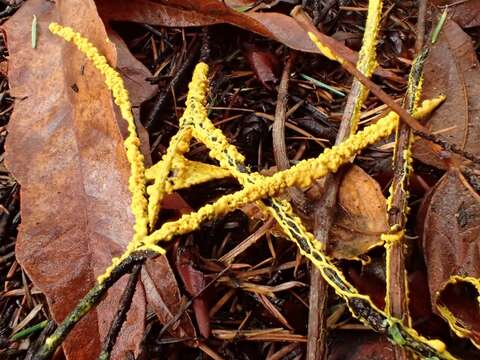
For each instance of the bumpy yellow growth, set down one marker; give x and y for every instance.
(324, 49)
(179, 144)
(367, 58)
(115, 84)
(301, 175)
(185, 173)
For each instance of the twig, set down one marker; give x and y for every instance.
(325, 206)
(164, 95)
(278, 135)
(396, 300)
(307, 24)
(422, 11)
(92, 298)
(453, 148)
(121, 315)
(186, 305)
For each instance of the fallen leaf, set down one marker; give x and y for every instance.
(451, 241)
(464, 13)
(277, 26)
(195, 282)
(352, 345)
(263, 63)
(452, 69)
(361, 216)
(65, 147)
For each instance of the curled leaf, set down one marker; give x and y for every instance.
(451, 248)
(361, 216)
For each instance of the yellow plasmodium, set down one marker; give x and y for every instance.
(179, 144)
(195, 122)
(393, 235)
(301, 175)
(455, 324)
(186, 173)
(367, 62)
(137, 182)
(324, 49)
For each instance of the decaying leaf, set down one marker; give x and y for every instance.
(361, 216)
(451, 244)
(264, 63)
(464, 13)
(65, 147)
(273, 25)
(360, 347)
(452, 69)
(195, 282)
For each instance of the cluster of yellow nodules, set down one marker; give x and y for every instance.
(115, 84)
(195, 122)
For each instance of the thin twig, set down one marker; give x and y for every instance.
(422, 11)
(121, 315)
(445, 145)
(163, 97)
(90, 300)
(325, 206)
(396, 273)
(186, 305)
(278, 134)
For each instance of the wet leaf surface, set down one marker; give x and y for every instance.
(451, 249)
(264, 63)
(452, 69)
(68, 156)
(195, 282)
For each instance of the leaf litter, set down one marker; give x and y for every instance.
(264, 259)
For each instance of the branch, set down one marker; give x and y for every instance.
(89, 301)
(121, 315)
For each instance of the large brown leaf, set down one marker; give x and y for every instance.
(361, 216)
(451, 244)
(66, 149)
(452, 69)
(280, 27)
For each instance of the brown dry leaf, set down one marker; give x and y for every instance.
(452, 69)
(280, 27)
(264, 64)
(195, 282)
(66, 149)
(451, 245)
(464, 13)
(361, 216)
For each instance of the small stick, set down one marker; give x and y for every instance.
(92, 298)
(186, 305)
(304, 21)
(278, 134)
(121, 315)
(396, 299)
(164, 95)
